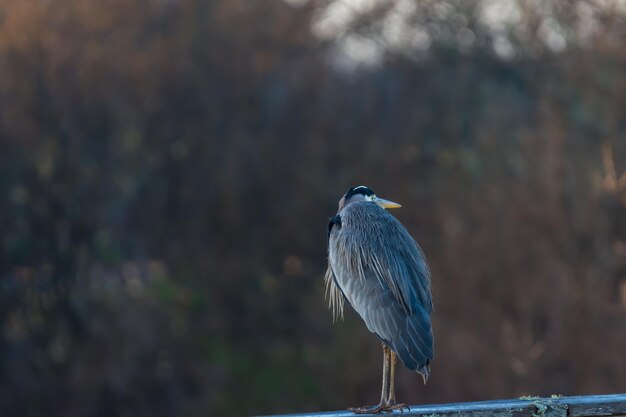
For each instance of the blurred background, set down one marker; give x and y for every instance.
(168, 168)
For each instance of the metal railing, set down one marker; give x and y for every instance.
(555, 406)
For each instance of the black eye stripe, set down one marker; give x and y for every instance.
(359, 190)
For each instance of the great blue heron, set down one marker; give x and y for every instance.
(376, 267)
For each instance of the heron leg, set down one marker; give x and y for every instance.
(382, 406)
(385, 383)
(391, 399)
(391, 404)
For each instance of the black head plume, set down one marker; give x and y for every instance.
(361, 189)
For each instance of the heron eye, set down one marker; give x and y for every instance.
(370, 197)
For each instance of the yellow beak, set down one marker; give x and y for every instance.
(386, 203)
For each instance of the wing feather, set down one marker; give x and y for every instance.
(334, 295)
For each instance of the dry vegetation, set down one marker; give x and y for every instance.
(167, 169)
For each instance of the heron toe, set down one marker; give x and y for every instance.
(380, 408)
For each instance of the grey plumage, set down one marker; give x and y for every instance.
(375, 265)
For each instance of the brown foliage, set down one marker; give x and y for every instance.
(167, 169)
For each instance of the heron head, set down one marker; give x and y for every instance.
(363, 193)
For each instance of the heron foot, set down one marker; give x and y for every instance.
(393, 406)
(368, 410)
(386, 407)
